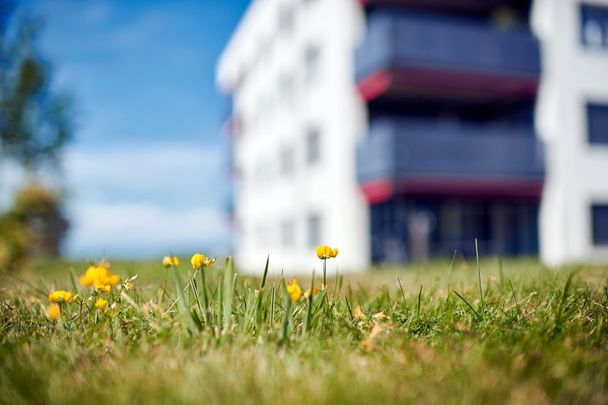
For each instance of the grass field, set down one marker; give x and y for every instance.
(437, 333)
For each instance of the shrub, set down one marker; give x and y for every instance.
(34, 226)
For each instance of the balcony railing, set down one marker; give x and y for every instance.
(464, 6)
(448, 53)
(411, 156)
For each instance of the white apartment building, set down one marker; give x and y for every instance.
(572, 119)
(296, 118)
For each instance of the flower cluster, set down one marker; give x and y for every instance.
(61, 297)
(294, 290)
(170, 261)
(325, 252)
(53, 310)
(199, 261)
(99, 276)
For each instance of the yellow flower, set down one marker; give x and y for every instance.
(199, 260)
(169, 261)
(86, 281)
(53, 312)
(61, 296)
(294, 291)
(325, 252)
(99, 276)
(114, 280)
(101, 303)
(104, 288)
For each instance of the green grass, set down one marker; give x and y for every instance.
(536, 336)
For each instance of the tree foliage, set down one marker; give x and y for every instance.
(35, 119)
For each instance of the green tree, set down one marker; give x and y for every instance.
(35, 125)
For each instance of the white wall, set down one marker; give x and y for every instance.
(577, 172)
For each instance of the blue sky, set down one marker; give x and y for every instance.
(147, 171)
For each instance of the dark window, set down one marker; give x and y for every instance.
(597, 123)
(311, 61)
(594, 26)
(314, 230)
(599, 220)
(313, 146)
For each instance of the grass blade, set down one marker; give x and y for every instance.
(468, 305)
(479, 277)
(401, 289)
(263, 283)
(418, 305)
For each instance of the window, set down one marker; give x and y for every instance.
(599, 224)
(594, 26)
(313, 146)
(311, 61)
(314, 230)
(286, 17)
(287, 233)
(286, 161)
(597, 123)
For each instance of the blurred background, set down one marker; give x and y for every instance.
(111, 127)
(396, 130)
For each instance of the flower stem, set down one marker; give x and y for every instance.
(162, 297)
(324, 273)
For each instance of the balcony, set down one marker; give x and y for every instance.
(407, 54)
(426, 158)
(477, 7)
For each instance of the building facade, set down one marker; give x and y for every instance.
(295, 124)
(572, 118)
(413, 127)
(451, 154)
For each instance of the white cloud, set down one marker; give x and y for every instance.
(135, 201)
(140, 201)
(181, 175)
(144, 229)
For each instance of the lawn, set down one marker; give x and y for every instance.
(438, 333)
